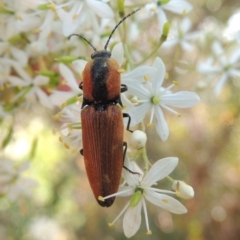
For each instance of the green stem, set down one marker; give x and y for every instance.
(152, 54)
(170, 179)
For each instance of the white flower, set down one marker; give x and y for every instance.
(175, 6)
(7, 50)
(77, 15)
(153, 97)
(6, 65)
(32, 87)
(43, 227)
(71, 133)
(140, 190)
(12, 184)
(180, 34)
(227, 67)
(59, 97)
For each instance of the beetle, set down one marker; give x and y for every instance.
(102, 122)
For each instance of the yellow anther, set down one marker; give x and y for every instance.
(149, 125)
(70, 127)
(60, 139)
(134, 100)
(100, 198)
(110, 224)
(64, 105)
(74, 16)
(52, 7)
(149, 233)
(146, 78)
(74, 151)
(19, 17)
(66, 146)
(184, 12)
(153, 9)
(166, 75)
(79, 99)
(121, 70)
(165, 200)
(64, 82)
(57, 116)
(36, 30)
(19, 87)
(175, 83)
(179, 115)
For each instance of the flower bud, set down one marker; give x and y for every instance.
(183, 190)
(138, 139)
(66, 59)
(121, 7)
(166, 28)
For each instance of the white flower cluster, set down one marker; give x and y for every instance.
(38, 64)
(12, 184)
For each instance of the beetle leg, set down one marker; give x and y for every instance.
(81, 151)
(124, 88)
(124, 154)
(129, 121)
(81, 85)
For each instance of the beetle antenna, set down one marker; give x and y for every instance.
(105, 47)
(83, 39)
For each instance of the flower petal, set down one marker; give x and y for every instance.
(183, 99)
(217, 49)
(43, 98)
(161, 124)
(186, 46)
(19, 55)
(235, 56)
(132, 220)
(69, 19)
(186, 25)
(160, 170)
(207, 67)
(100, 8)
(79, 65)
(68, 76)
(139, 74)
(117, 53)
(165, 202)
(59, 97)
(160, 74)
(178, 6)
(162, 19)
(220, 83)
(234, 73)
(137, 89)
(138, 113)
(40, 80)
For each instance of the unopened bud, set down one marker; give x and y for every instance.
(166, 28)
(121, 7)
(66, 59)
(138, 139)
(183, 190)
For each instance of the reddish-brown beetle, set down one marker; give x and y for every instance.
(102, 122)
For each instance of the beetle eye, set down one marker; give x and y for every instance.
(92, 55)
